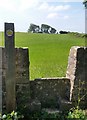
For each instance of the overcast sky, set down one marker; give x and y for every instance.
(65, 15)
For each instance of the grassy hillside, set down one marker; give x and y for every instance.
(48, 53)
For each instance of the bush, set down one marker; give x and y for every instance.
(77, 114)
(82, 35)
(11, 116)
(63, 32)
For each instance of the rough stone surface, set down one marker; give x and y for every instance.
(71, 68)
(50, 91)
(0, 80)
(22, 96)
(77, 73)
(65, 105)
(34, 105)
(21, 63)
(22, 74)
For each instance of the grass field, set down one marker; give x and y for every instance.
(48, 53)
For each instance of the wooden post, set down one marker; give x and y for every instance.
(10, 67)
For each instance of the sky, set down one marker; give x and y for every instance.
(62, 15)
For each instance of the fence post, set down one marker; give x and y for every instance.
(10, 67)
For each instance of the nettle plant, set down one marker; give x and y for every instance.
(76, 112)
(81, 92)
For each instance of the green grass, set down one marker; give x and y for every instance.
(48, 53)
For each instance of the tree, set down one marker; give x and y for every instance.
(45, 28)
(85, 3)
(33, 28)
(53, 30)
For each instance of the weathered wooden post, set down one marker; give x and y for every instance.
(10, 67)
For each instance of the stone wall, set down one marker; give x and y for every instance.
(77, 73)
(48, 92)
(44, 93)
(21, 63)
(0, 80)
(22, 73)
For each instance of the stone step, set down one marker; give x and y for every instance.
(65, 105)
(51, 110)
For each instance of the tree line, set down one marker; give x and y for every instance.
(47, 28)
(33, 28)
(43, 29)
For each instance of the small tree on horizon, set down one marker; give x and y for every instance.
(33, 28)
(85, 3)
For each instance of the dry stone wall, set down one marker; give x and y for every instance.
(48, 92)
(0, 79)
(21, 63)
(77, 73)
(22, 73)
